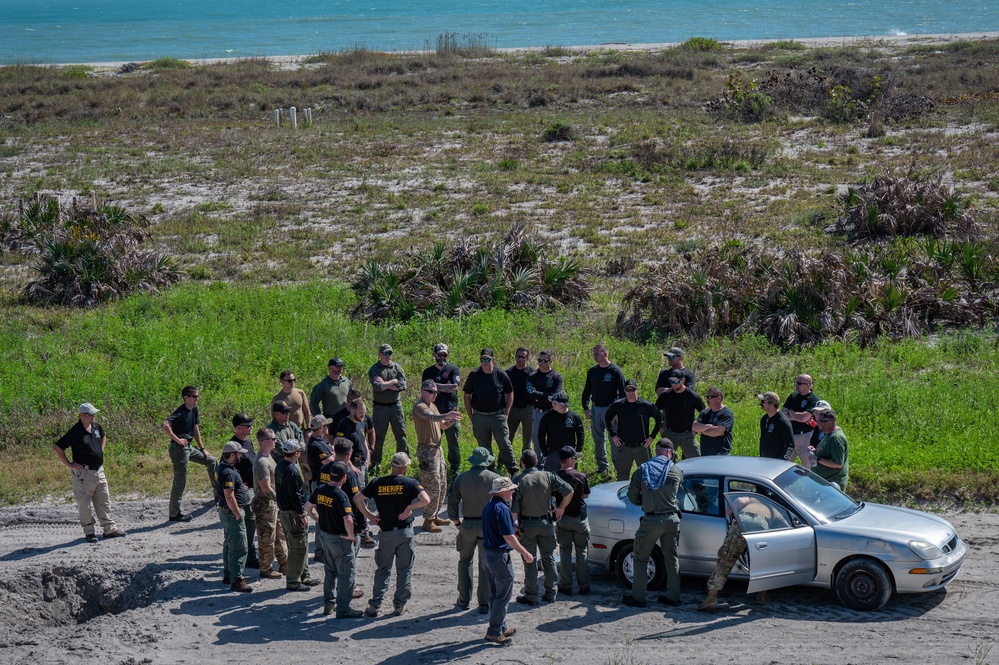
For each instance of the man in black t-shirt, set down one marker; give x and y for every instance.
(605, 384)
(318, 450)
(776, 437)
(799, 408)
(182, 428)
(715, 425)
(396, 497)
(633, 423)
(233, 500)
(331, 509)
(542, 385)
(573, 529)
(291, 499)
(488, 399)
(522, 411)
(87, 440)
(356, 428)
(447, 376)
(559, 427)
(680, 406)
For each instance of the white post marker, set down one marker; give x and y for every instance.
(294, 118)
(277, 117)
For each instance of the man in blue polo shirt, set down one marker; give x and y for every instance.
(497, 540)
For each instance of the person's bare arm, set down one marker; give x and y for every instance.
(230, 500)
(422, 499)
(359, 501)
(61, 454)
(517, 547)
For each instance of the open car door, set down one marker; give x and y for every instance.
(779, 545)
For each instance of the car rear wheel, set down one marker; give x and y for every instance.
(863, 584)
(626, 567)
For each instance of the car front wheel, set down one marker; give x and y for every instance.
(863, 584)
(626, 567)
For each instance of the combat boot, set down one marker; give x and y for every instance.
(430, 527)
(710, 603)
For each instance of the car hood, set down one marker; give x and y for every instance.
(889, 523)
(605, 495)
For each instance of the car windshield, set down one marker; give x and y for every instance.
(816, 495)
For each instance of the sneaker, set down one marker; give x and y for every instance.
(115, 533)
(270, 574)
(328, 608)
(502, 640)
(241, 585)
(180, 517)
(509, 632)
(357, 593)
(398, 608)
(371, 612)
(666, 601)
(311, 582)
(430, 527)
(524, 600)
(367, 542)
(91, 537)
(349, 614)
(460, 604)
(297, 587)
(630, 601)
(441, 521)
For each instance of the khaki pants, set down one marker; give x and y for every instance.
(626, 455)
(801, 442)
(433, 477)
(91, 487)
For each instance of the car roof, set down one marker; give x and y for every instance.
(735, 465)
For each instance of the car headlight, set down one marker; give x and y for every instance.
(925, 550)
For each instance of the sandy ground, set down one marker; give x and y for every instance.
(156, 597)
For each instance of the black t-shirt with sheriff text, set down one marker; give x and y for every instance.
(392, 494)
(332, 504)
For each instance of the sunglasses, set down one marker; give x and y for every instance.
(442, 354)
(714, 396)
(631, 390)
(485, 359)
(675, 382)
(288, 380)
(432, 392)
(544, 360)
(522, 357)
(387, 353)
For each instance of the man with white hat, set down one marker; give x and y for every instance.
(233, 500)
(87, 440)
(498, 538)
(396, 497)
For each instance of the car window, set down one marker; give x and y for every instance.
(758, 513)
(816, 495)
(700, 495)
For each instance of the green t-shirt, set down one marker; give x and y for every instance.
(833, 446)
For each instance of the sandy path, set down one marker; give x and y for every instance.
(169, 575)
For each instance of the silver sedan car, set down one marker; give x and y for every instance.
(799, 529)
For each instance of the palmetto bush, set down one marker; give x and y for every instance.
(458, 277)
(898, 289)
(88, 252)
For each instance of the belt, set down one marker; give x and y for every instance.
(396, 528)
(466, 519)
(377, 404)
(488, 413)
(672, 512)
(524, 518)
(633, 445)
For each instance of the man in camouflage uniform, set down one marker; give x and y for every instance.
(532, 507)
(429, 424)
(270, 535)
(471, 490)
(731, 549)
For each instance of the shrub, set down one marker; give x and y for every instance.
(457, 278)
(558, 130)
(466, 45)
(167, 63)
(702, 44)
(88, 253)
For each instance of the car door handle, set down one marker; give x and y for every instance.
(761, 546)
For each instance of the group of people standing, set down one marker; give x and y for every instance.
(266, 494)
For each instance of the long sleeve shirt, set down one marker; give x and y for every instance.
(633, 418)
(604, 385)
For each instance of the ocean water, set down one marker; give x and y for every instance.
(49, 31)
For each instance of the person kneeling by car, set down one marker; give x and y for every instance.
(732, 548)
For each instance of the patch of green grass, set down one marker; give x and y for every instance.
(784, 45)
(702, 44)
(167, 63)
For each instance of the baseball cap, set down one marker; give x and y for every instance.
(666, 444)
(280, 406)
(241, 419)
(385, 348)
(567, 452)
(233, 447)
(441, 348)
(487, 352)
(560, 397)
(335, 362)
(337, 471)
(400, 460)
(289, 446)
(675, 351)
(481, 457)
(319, 421)
(822, 406)
(502, 484)
(631, 383)
(773, 398)
(88, 409)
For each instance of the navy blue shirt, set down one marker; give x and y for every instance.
(497, 521)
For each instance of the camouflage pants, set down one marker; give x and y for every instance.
(433, 477)
(270, 535)
(732, 548)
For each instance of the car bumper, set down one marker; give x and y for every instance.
(923, 576)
